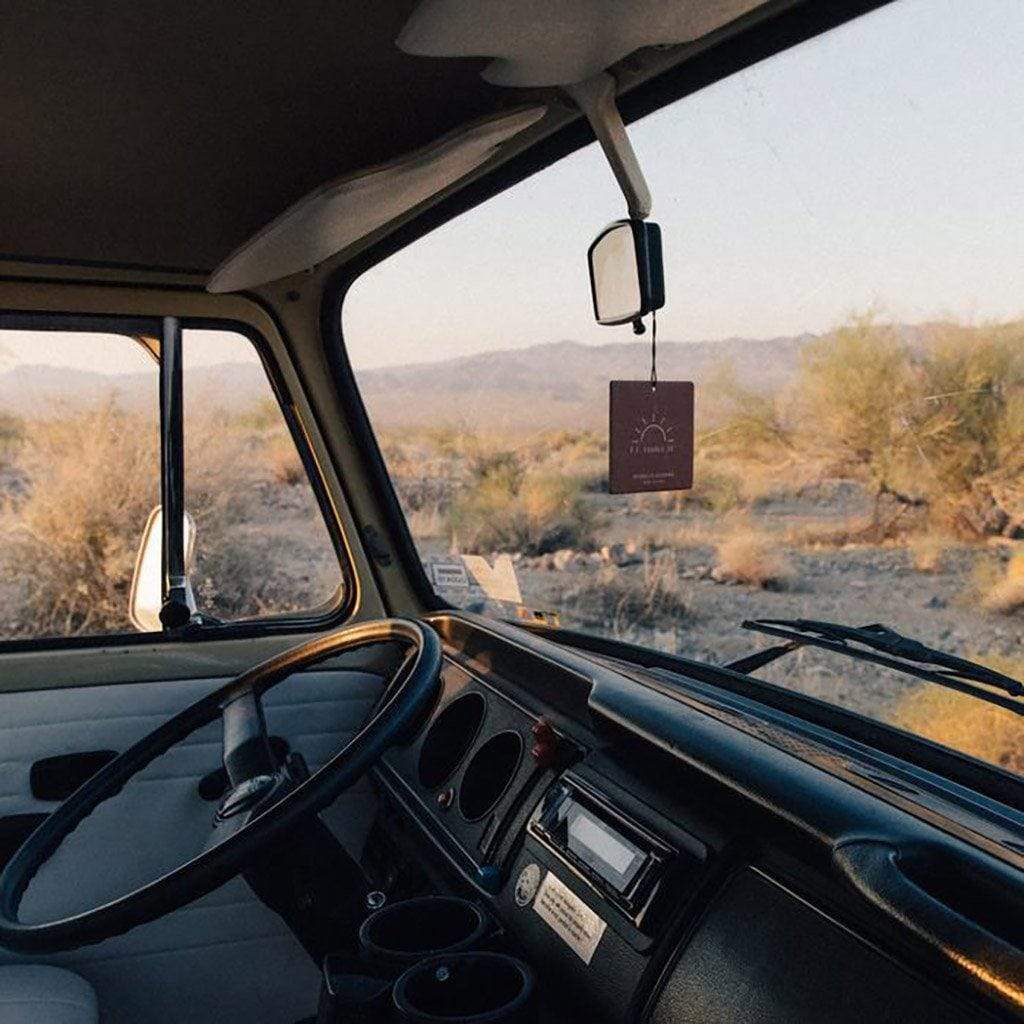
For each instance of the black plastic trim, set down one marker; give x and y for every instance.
(55, 778)
(983, 778)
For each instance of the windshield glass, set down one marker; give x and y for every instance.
(842, 230)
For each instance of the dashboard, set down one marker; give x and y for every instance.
(654, 859)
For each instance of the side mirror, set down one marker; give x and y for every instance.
(626, 276)
(147, 594)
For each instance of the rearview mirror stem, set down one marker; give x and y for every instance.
(596, 98)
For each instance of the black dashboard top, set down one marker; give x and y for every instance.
(605, 811)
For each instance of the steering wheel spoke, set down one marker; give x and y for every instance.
(246, 745)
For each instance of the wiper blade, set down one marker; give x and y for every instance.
(886, 647)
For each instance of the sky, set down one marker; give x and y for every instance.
(878, 166)
(109, 354)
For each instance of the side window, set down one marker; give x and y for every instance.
(79, 473)
(261, 545)
(80, 476)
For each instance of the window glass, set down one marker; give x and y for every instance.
(842, 229)
(261, 545)
(79, 473)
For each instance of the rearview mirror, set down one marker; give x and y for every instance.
(626, 276)
(147, 594)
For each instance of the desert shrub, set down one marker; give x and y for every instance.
(1005, 592)
(855, 386)
(937, 426)
(283, 461)
(963, 723)
(428, 522)
(968, 415)
(12, 433)
(246, 571)
(507, 507)
(622, 599)
(69, 536)
(840, 533)
(263, 416)
(70, 542)
(747, 554)
(747, 421)
(579, 454)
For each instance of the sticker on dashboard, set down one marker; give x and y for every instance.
(569, 917)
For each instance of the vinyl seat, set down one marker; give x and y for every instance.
(34, 994)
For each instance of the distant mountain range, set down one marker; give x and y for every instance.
(36, 389)
(560, 384)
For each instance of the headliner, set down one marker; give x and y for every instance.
(165, 133)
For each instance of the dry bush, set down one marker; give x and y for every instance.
(853, 390)
(507, 507)
(717, 487)
(967, 418)
(71, 541)
(428, 522)
(928, 551)
(580, 455)
(750, 555)
(833, 534)
(1006, 592)
(244, 570)
(746, 422)
(964, 723)
(622, 599)
(283, 461)
(12, 434)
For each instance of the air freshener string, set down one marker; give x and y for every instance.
(654, 350)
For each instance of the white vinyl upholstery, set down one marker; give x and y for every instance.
(225, 957)
(32, 994)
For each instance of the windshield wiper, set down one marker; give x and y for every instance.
(883, 646)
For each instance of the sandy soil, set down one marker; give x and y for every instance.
(855, 585)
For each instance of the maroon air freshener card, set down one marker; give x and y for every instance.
(650, 436)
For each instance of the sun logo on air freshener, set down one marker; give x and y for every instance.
(653, 435)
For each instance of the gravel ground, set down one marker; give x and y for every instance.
(855, 585)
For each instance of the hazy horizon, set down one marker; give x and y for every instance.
(875, 167)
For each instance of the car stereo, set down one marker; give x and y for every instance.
(612, 852)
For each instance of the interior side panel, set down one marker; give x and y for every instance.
(226, 952)
(761, 954)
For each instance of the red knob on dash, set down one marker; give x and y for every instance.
(545, 744)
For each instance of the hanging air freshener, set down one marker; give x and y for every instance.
(650, 434)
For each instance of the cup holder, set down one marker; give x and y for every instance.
(425, 926)
(466, 987)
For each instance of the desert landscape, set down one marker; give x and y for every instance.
(870, 474)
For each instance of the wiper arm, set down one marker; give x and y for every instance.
(893, 651)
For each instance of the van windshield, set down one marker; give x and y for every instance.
(842, 230)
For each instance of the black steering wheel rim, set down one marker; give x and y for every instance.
(407, 696)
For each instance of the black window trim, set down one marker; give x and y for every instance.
(329, 615)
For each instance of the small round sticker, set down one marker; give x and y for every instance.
(527, 884)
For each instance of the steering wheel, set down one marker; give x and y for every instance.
(264, 801)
